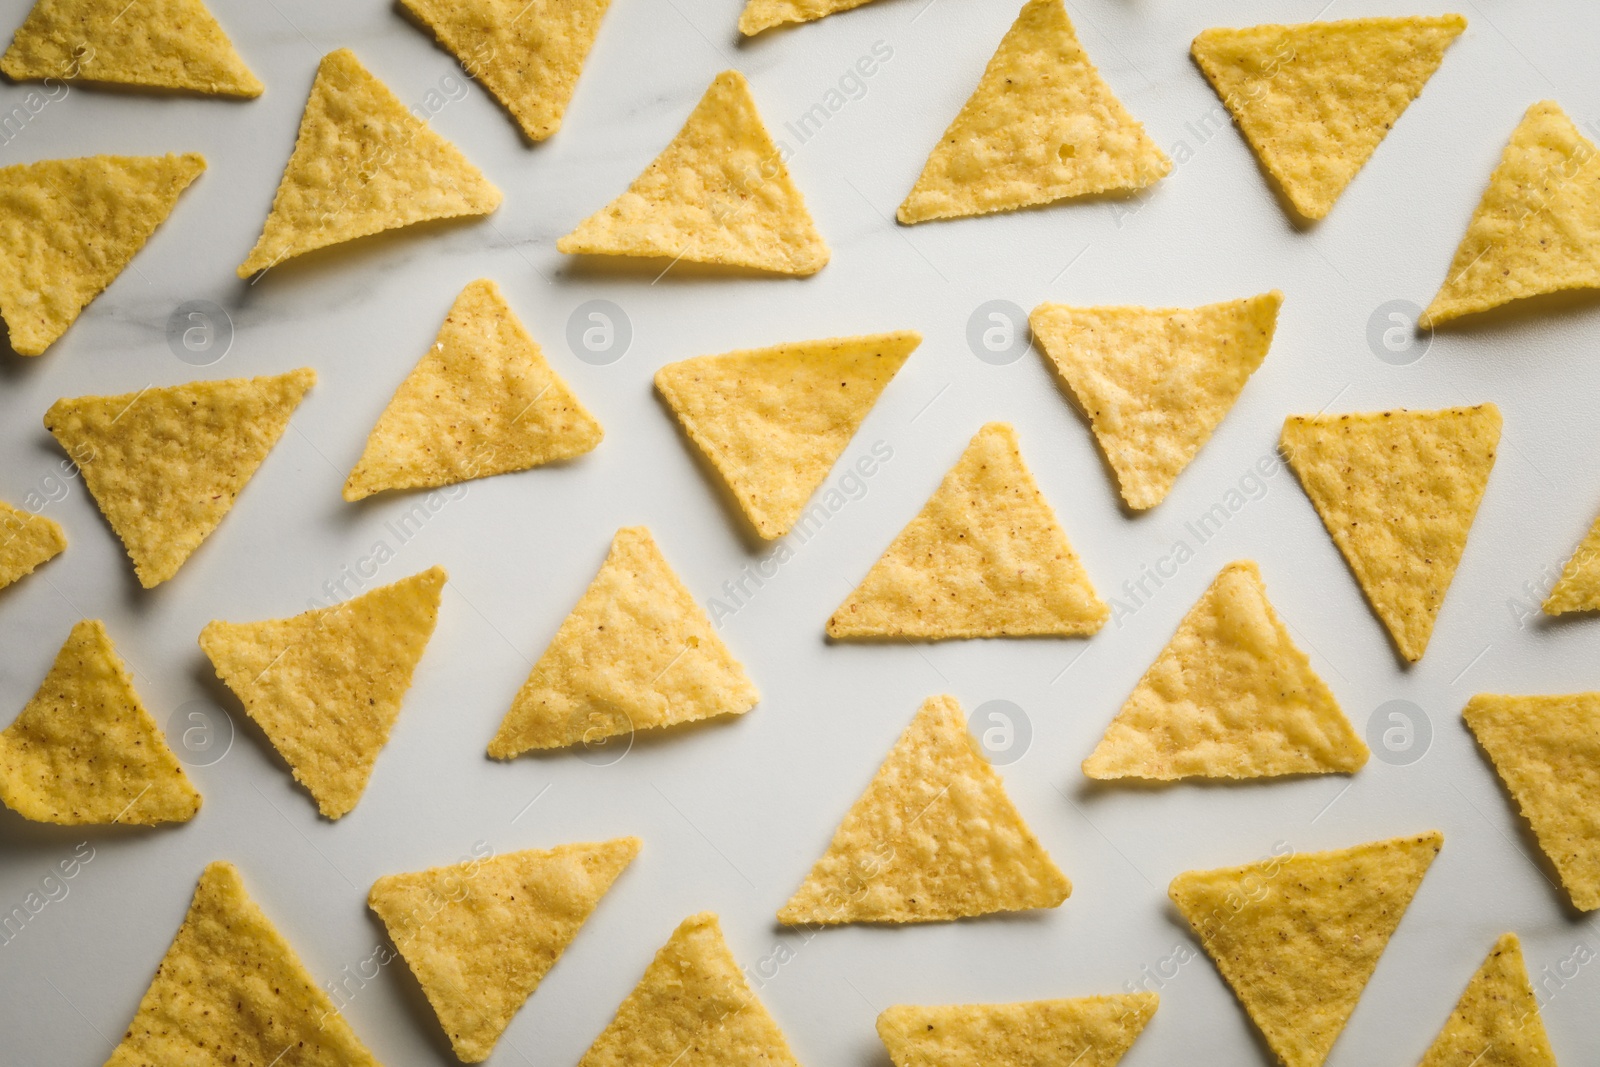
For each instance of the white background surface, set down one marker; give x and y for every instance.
(733, 813)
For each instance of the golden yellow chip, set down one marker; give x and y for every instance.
(985, 557)
(480, 936)
(26, 540)
(362, 164)
(934, 837)
(1579, 586)
(1315, 100)
(164, 44)
(1398, 491)
(1229, 697)
(1298, 936)
(761, 15)
(69, 226)
(1155, 382)
(326, 685)
(693, 998)
(636, 653)
(85, 750)
(1042, 125)
(482, 401)
(1537, 228)
(773, 421)
(1547, 750)
(719, 193)
(1496, 1022)
(528, 53)
(165, 465)
(230, 991)
(1083, 1032)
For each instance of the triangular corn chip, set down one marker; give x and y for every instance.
(1537, 228)
(165, 465)
(1578, 589)
(85, 750)
(985, 557)
(326, 685)
(1155, 382)
(1229, 697)
(693, 998)
(362, 164)
(26, 540)
(1298, 936)
(1083, 1032)
(1496, 1022)
(230, 991)
(719, 193)
(1041, 126)
(528, 53)
(761, 15)
(482, 401)
(772, 421)
(934, 837)
(481, 935)
(1398, 491)
(69, 226)
(162, 44)
(636, 653)
(1315, 100)
(1547, 751)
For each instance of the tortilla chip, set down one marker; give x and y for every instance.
(1155, 382)
(1314, 100)
(637, 653)
(230, 990)
(85, 751)
(1298, 936)
(761, 15)
(528, 54)
(1398, 491)
(1041, 126)
(69, 226)
(325, 686)
(1084, 1032)
(1496, 1023)
(1579, 586)
(26, 540)
(985, 557)
(482, 401)
(934, 837)
(693, 998)
(773, 421)
(719, 193)
(480, 936)
(1537, 228)
(1547, 751)
(1229, 697)
(163, 44)
(165, 465)
(362, 164)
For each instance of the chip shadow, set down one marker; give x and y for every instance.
(1527, 842)
(586, 265)
(419, 1011)
(1569, 306)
